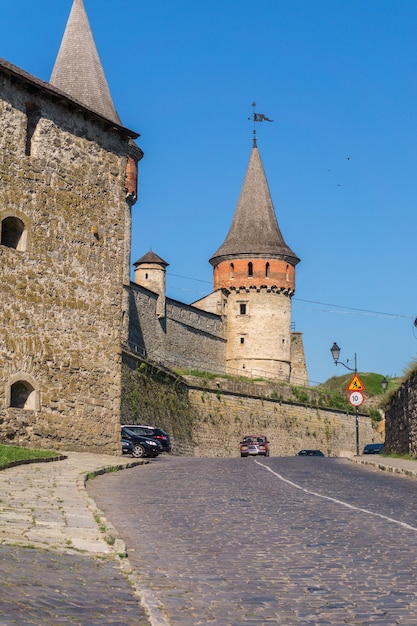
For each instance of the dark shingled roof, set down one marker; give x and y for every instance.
(254, 231)
(78, 71)
(150, 257)
(47, 89)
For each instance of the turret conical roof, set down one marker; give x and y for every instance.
(78, 71)
(151, 257)
(254, 231)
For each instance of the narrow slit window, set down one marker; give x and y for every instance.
(243, 309)
(33, 115)
(232, 270)
(250, 268)
(267, 268)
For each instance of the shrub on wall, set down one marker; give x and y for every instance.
(153, 396)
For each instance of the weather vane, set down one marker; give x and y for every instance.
(257, 117)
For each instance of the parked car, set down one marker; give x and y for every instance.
(310, 453)
(127, 446)
(151, 431)
(142, 446)
(254, 445)
(373, 448)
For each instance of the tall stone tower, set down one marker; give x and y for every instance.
(68, 171)
(255, 269)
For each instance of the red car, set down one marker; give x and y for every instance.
(254, 445)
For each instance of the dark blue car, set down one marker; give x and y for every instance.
(373, 448)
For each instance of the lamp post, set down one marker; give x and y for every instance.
(335, 350)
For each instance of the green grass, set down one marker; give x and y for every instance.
(9, 454)
(371, 382)
(394, 455)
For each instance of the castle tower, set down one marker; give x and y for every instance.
(79, 73)
(65, 205)
(256, 268)
(150, 273)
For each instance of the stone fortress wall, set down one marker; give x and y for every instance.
(63, 265)
(212, 414)
(185, 337)
(189, 337)
(401, 418)
(225, 417)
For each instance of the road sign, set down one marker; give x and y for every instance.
(356, 398)
(355, 384)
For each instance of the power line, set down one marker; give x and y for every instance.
(356, 310)
(327, 304)
(197, 280)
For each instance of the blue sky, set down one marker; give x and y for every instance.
(339, 79)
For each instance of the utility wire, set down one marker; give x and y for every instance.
(327, 304)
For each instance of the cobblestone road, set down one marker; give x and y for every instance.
(296, 541)
(56, 567)
(40, 587)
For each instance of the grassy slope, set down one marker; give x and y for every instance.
(371, 382)
(10, 454)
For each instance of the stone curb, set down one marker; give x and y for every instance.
(49, 459)
(146, 598)
(111, 535)
(388, 468)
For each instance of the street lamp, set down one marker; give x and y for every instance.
(384, 384)
(335, 350)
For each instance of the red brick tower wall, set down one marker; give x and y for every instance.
(265, 273)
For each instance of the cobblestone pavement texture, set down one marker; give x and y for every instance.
(289, 541)
(57, 567)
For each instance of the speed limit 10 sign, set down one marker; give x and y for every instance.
(356, 398)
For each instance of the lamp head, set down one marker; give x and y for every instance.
(335, 350)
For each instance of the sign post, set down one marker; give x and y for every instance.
(356, 398)
(355, 387)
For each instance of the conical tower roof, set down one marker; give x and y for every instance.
(151, 257)
(78, 71)
(254, 231)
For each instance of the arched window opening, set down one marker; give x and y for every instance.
(22, 395)
(287, 275)
(250, 268)
(267, 270)
(232, 270)
(13, 233)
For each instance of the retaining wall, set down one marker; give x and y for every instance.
(224, 418)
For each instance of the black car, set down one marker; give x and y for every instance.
(151, 431)
(140, 446)
(310, 453)
(373, 448)
(127, 446)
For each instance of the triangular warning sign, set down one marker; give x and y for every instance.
(355, 384)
